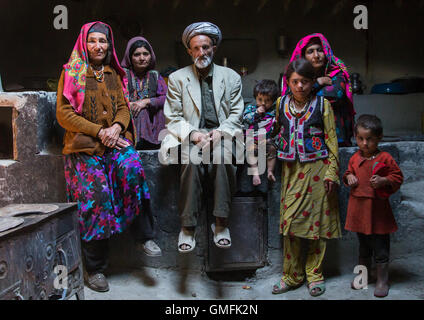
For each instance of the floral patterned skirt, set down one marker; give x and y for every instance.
(109, 190)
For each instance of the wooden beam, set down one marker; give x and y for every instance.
(176, 3)
(308, 6)
(339, 6)
(287, 5)
(262, 4)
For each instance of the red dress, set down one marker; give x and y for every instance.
(368, 211)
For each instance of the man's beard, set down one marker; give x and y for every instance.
(203, 62)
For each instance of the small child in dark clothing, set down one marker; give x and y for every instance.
(262, 116)
(373, 176)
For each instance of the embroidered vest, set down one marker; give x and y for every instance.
(303, 137)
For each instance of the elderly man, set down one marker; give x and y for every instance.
(203, 105)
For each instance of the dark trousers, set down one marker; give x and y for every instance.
(143, 227)
(375, 245)
(197, 180)
(96, 255)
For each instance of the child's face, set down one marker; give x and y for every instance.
(264, 100)
(301, 87)
(367, 141)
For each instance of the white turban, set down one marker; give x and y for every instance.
(205, 28)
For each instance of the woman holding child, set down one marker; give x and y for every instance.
(332, 82)
(307, 144)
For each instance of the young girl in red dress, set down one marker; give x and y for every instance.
(372, 175)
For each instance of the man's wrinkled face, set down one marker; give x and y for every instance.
(201, 51)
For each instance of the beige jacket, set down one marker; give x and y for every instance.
(183, 104)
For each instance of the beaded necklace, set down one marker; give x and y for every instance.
(142, 92)
(296, 112)
(99, 75)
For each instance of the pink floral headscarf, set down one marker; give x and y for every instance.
(334, 64)
(76, 68)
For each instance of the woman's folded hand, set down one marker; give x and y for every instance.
(138, 106)
(122, 143)
(110, 136)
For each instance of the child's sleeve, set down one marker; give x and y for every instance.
(276, 126)
(332, 143)
(394, 175)
(249, 115)
(349, 171)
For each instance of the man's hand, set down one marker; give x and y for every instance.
(199, 138)
(138, 106)
(352, 181)
(329, 186)
(325, 81)
(378, 182)
(215, 136)
(110, 136)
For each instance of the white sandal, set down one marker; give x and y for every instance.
(224, 235)
(184, 239)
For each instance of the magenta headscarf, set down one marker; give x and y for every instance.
(334, 65)
(126, 61)
(76, 68)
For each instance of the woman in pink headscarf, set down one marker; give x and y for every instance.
(103, 171)
(147, 92)
(333, 82)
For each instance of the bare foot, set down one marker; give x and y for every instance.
(256, 181)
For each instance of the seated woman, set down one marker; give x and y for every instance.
(307, 145)
(103, 171)
(147, 92)
(332, 82)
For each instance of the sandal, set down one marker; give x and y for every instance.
(279, 288)
(316, 288)
(186, 240)
(224, 235)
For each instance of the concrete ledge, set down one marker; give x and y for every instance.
(36, 176)
(342, 254)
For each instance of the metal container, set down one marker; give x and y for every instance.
(31, 253)
(249, 235)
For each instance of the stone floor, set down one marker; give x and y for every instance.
(407, 283)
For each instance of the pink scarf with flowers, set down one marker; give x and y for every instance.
(334, 65)
(76, 69)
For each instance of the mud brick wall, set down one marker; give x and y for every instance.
(35, 173)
